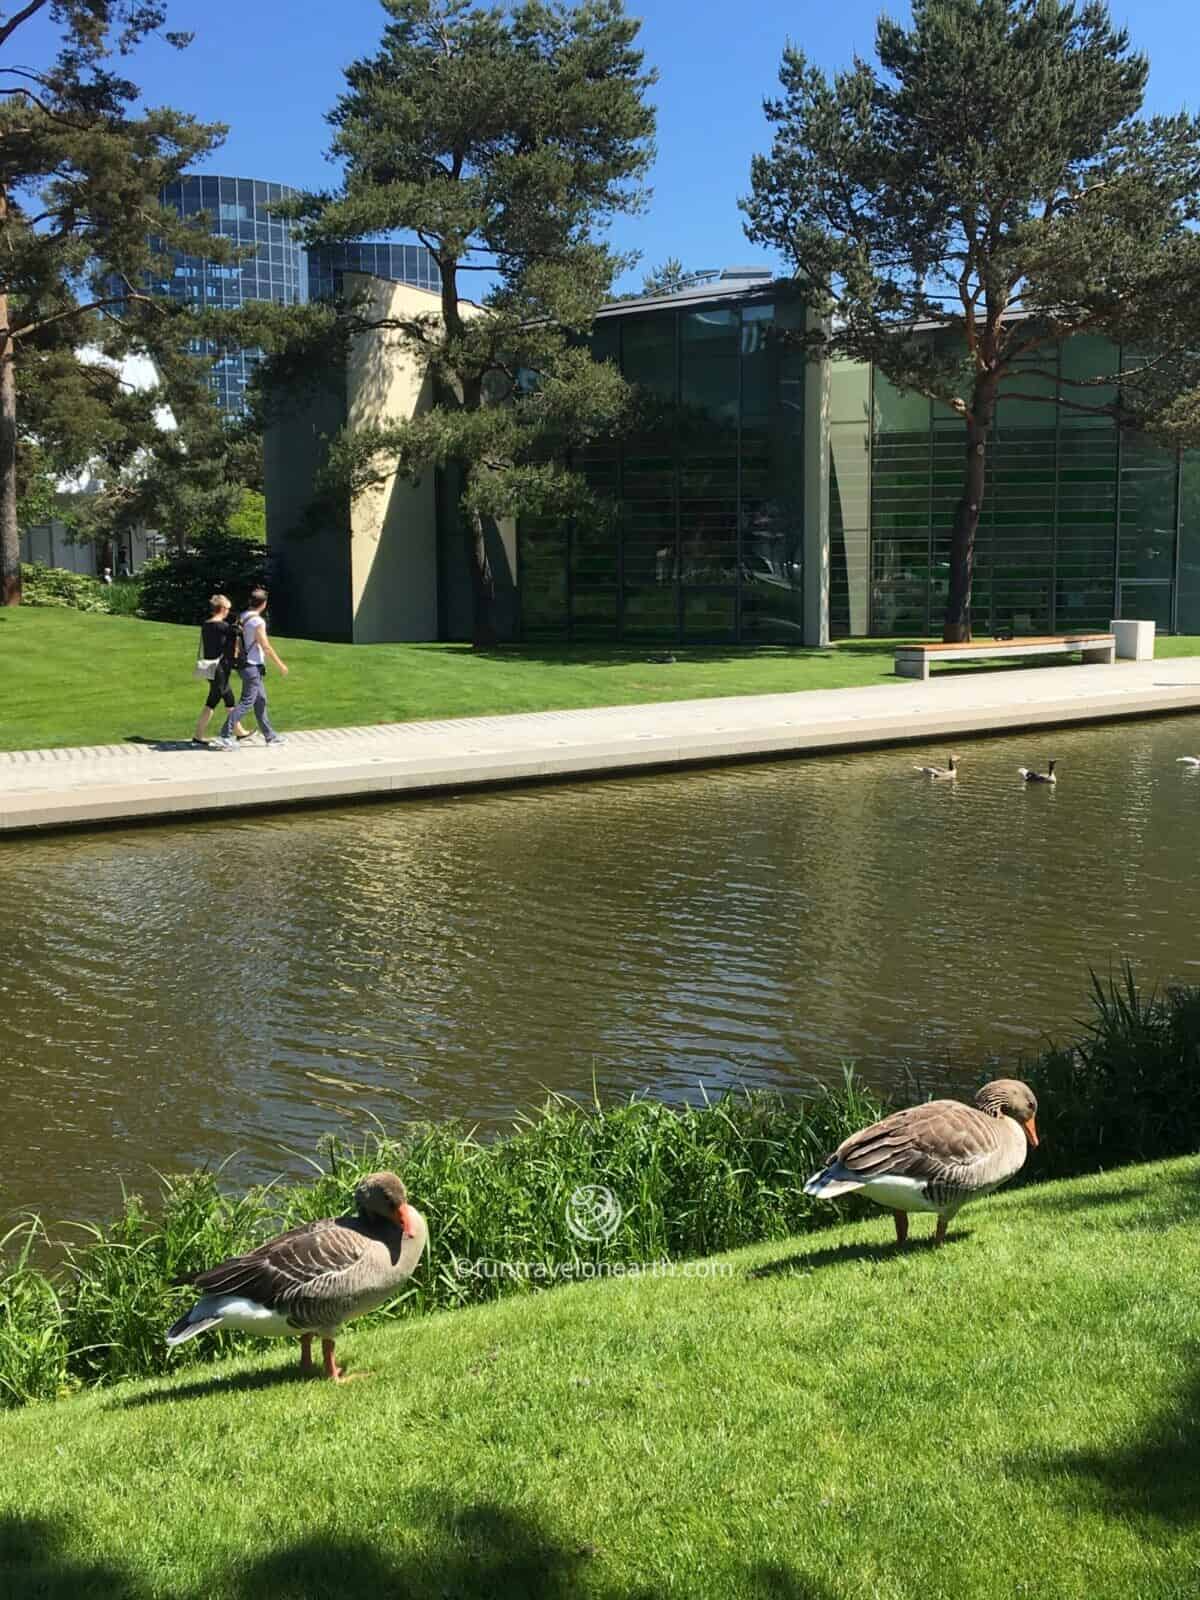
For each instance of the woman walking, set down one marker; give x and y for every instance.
(218, 639)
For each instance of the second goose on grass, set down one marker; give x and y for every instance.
(1030, 776)
(940, 772)
(935, 1157)
(310, 1280)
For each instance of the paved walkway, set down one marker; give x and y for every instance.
(108, 783)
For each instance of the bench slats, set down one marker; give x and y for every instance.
(914, 660)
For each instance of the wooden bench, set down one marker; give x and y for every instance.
(915, 660)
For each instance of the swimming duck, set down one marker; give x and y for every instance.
(310, 1280)
(1039, 777)
(937, 1156)
(940, 772)
(1189, 761)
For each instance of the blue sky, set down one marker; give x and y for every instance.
(271, 69)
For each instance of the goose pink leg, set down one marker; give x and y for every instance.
(332, 1370)
(307, 1364)
(901, 1220)
(939, 1236)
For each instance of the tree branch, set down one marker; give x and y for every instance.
(10, 27)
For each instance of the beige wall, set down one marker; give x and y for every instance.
(393, 527)
(850, 462)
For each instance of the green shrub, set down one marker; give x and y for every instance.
(1128, 1089)
(55, 586)
(690, 1181)
(125, 597)
(176, 588)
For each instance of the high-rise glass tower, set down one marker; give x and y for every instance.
(280, 268)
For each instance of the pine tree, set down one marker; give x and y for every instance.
(992, 174)
(504, 140)
(82, 235)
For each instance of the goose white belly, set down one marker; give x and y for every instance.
(247, 1316)
(902, 1194)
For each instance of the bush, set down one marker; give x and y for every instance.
(690, 1181)
(55, 586)
(1129, 1088)
(125, 597)
(176, 588)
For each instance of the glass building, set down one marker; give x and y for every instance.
(399, 263)
(280, 268)
(702, 539)
(1081, 522)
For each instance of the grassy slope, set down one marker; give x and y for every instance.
(75, 678)
(1013, 1416)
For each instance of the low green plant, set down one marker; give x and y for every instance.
(125, 597)
(55, 586)
(1128, 1087)
(176, 588)
(688, 1181)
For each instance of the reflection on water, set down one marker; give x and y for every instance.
(171, 996)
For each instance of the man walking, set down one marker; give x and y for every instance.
(256, 647)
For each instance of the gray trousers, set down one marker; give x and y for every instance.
(254, 698)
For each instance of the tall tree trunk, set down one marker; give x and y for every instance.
(10, 534)
(957, 627)
(483, 584)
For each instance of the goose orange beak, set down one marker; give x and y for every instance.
(405, 1219)
(1031, 1132)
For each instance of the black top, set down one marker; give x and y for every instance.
(217, 640)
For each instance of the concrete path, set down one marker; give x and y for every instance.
(108, 783)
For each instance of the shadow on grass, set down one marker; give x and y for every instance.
(479, 1551)
(209, 1388)
(839, 1255)
(1152, 1478)
(1032, 1201)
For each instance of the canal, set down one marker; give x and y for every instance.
(229, 991)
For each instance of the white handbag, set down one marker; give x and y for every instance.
(206, 669)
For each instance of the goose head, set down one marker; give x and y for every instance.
(381, 1194)
(1007, 1097)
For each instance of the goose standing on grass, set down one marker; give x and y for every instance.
(937, 1156)
(1188, 761)
(1031, 776)
(940, 772)
(310, 1280)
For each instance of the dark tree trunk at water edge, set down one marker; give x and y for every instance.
(10, 536)
(483, 584)
(957, 627)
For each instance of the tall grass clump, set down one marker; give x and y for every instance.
(1128, 1088)
(688, 1181)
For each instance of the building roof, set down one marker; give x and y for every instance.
(733, 283)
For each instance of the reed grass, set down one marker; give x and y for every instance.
(689, 1181)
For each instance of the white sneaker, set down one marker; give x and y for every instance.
(278, 739)
(225, 744)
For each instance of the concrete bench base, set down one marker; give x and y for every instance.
(915, 660)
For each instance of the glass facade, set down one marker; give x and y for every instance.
(280, 268)
(399, 263)
(699, 539)
(1080, 523)
(237, 210)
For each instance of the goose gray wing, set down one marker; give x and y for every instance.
(940, 1143)
(297, 1265)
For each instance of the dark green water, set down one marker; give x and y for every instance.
(235, 989)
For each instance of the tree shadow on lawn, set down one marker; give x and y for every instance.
(208, 1388)
(465, 1551)
(842, 1254)
(1037, 1203)
(1152, 1478)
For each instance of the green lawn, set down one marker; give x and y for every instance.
(1015, 1415)
(75, 678)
